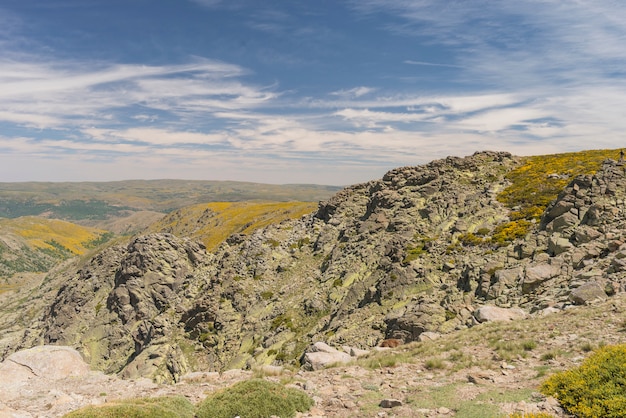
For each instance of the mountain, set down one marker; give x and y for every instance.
(33, 237)
(418, 253)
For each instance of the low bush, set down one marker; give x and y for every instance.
(255, 398)
(163, 407)
(597, 388)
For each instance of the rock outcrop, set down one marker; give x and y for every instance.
(396, 258)
(120, 307)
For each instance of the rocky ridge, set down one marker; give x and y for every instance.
(385, 259)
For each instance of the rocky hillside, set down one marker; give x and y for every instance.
(415, 254)
(211, 223)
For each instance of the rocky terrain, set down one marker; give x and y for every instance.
(490, 370)
(425, 253)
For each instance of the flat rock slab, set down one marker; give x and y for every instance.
(321, 355)
(20, 370)
(47, 361)
(494, 313)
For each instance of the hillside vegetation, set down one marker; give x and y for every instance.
(213, 222)
(539, 179)
(32, 244)
(535, 183)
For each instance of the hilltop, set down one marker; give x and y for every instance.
(425, 253)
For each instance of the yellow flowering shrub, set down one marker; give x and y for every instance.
(221, 219)
(531, 189)
(597, 388)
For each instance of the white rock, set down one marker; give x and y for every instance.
(489, 313)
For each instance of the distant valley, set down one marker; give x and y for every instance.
(100, 203)
(42, 224)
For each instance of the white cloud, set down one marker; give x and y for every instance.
(75, 94)
(453, 103)
(208, 3)
(151, 136)
(499, 119)
(372, 119)
(532, 76)
(355, 92)
(431, 64)
(30, 119)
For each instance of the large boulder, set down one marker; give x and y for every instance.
(558, 244)
(587, 293)
(49, 363)
(538, 274)
(563, 222)
(321, 355)
(489, 313)
(417, 319)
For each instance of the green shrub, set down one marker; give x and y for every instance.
(267, 295)
(282, 320)
(273, 243)
(163, 407)
(255, 398)
(597, 388)
(483, 232)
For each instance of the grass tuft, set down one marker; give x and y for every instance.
(163, 407)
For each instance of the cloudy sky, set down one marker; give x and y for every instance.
(300, 91)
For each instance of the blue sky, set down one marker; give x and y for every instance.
(288, 91)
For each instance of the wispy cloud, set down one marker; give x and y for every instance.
(78, 93)
(531, 76)
(208, 3)
(431, 64)
(355, 92)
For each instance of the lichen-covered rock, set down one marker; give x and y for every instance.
(418, 319)
(402, 257)
(119, 306)
(321, 355)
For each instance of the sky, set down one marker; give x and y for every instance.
(300, 91)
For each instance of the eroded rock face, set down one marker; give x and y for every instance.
(122, 307)
(391, 258)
